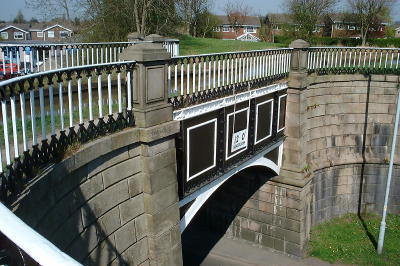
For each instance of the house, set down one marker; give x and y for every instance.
(14, 32)
(243, 28)
(343, 26)
(339, 25)
(46, 32)
(279, 23)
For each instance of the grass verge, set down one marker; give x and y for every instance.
(352, 240)
(192, 46)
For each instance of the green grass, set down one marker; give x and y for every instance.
(192, 46)
(347, 240)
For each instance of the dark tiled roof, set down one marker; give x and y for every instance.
(35, 26)
(248, 20)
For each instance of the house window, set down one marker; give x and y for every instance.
(339, 26)
(217, 29)
(50, 34)
(39, 34)
(250, 30)
(4, 35)
(352, 27)
(64, 34)
(18, 35)
(226, 29)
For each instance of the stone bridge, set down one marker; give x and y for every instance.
(315, 124)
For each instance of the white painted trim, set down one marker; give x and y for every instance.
(227, 133)
(11, 26)
(207, 107)
(56, 25)
(270, 126)
(203, 194)
(188, 178)
(279, 112)
(35, 245)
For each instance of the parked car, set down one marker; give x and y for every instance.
(5, 69)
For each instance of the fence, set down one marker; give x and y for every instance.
(193, 79)
(351, 60)
(33, 58)
(74, 105)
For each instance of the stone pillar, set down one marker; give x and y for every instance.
(153, 116)
(150, 91)
(294, 181)
(294, 165)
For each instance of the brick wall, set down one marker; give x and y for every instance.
(99, 206)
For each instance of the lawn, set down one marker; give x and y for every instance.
(350, 240)
(192, 46)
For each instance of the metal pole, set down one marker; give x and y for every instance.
(389, 179)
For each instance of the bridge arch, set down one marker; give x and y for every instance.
(200, 197)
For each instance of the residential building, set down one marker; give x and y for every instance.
(246, 28)
(343, 26)
(336, 26)
(48, 32)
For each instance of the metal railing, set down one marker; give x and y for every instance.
(25, 246)
(199, 78)
(17, 59)
(354, 60)
(54, 109)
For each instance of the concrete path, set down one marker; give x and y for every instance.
(229, 252)
(201, 247)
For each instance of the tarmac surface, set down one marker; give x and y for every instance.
(208, 249)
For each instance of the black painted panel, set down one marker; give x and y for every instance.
(201, 148)
(264, 120)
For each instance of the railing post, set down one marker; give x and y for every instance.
(153, 117)
(293, 159)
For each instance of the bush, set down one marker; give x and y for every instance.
(388, 42)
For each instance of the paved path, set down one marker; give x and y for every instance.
(229, 252)
(207, 249)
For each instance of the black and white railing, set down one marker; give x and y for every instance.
(42, 114)
(17, 59)
(354, 60)
(198, 78)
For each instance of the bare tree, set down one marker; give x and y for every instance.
(370, 14)
(49, 9)
(306, 13)
(236, 12)
(189, 12)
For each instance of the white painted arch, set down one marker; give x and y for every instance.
(204, 193)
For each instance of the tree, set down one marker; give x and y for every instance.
(306, 13)
(189, 11)
(236, 12)
(206, 23)
(50, 9)
(112, 20)
(370, 14)
(19, 18)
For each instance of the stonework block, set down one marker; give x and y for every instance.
(131, 208)
(125, 236)
(108, 223)
(121, 171)
(104, 201)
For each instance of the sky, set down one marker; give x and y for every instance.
(9, 8)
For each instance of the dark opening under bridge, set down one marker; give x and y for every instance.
(110, 162)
